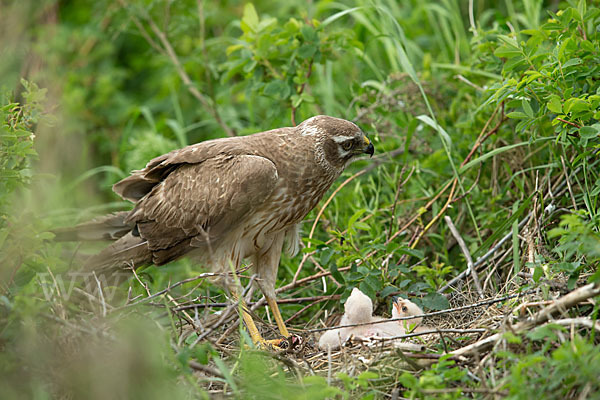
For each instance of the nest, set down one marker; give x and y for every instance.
(464, 333)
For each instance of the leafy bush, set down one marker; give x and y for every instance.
(486, 113)
(17, 126)
(568, 372)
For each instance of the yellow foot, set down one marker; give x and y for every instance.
(289, 343)
(273, 344)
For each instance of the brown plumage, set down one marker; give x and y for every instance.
(225, 200)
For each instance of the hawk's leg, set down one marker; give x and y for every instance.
(277, 315)
(266, 264)
(255, 335)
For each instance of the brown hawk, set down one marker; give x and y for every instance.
(225, 200)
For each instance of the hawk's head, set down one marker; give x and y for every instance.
(338, 140)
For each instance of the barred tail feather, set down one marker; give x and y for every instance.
(107, 227)
(129, 251)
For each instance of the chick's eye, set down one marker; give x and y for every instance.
(347, 145)
(404, 309)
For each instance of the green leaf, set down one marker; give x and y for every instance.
(576, 105)
(326, 256)
(296, 100)
(335, 273)
(537, 273)
(554, 104)
(435, 301)
(581, 8)
(307, 50)
(362, 226)
(545, 332)
(265, 24)
(250, 18)
(388, 290)
(338, 15)
(309, 33)
(374, 281)
(411, 252)
(437, 127)
(516, 115)
(508, 51)
(589, 132)
(307, 98)
(46, 236)
(277, 88)
(250, 65)
(571, 62)
(512, 338)
(527, 108)
(367, 289)
(356, 216)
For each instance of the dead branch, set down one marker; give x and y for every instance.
(560, 305)
(205, 368)
(279, 301)
(466, 253)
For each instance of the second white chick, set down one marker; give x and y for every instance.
(400, 308)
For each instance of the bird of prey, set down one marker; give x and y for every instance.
(225, 200)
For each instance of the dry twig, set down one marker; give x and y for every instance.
(466, 253)
(569, 300)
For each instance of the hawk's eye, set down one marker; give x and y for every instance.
(347, 145)
(404, 309)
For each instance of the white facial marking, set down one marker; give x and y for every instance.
(343, 153)
(340, 139)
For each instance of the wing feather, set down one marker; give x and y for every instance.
(141, 182)
(204, 200)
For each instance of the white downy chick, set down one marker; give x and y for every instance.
(406, 308)
(400, 308)
(358, 309)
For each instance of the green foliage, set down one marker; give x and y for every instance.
(552, 75)
(276, 59)
(508, 102)
(569, 371)
(43, 358)
(578, 245)
(22, 238)
(256, 384)
(17, 123)
(357, 384)
(441, 375)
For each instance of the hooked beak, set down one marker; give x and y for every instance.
(395, 300)
(369, 149)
